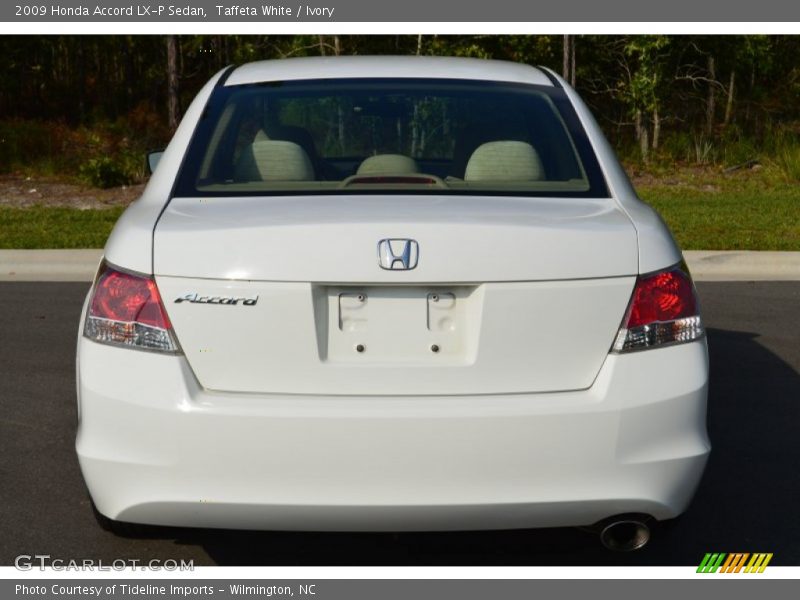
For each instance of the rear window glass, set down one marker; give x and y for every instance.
(402, 135)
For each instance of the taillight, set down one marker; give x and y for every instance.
(663, 310)
(126, 310)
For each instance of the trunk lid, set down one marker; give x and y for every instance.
(285, 295)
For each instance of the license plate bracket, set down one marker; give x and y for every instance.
(400, 324)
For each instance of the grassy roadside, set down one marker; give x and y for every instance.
(740, 221)
(743, 211)
(55, 227)
(750, 210)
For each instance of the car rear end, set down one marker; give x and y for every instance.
(391, 303)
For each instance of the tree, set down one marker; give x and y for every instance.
(643, 61)
(568, 59)
(173, 99)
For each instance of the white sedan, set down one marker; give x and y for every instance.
(386, 294)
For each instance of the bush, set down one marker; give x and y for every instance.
(106, 154)
(105, 172)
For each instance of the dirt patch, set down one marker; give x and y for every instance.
(710, 179)
(23, 192)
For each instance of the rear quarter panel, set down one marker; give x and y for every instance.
(657, 247)
(130, 244)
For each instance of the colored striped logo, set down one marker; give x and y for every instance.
(735, 562)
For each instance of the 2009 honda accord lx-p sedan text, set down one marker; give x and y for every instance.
(385, 293)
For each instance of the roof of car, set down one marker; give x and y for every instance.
(344, 67)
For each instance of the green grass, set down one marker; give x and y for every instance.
(742, 212)
(43, 227)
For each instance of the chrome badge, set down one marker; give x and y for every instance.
(398, 254)
(226, 300)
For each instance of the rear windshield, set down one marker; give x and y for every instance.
(343, 136)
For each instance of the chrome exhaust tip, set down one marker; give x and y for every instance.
(625, 533)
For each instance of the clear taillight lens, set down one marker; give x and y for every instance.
(126, 310)
(663, 310)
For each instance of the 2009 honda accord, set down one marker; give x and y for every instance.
(386, 293)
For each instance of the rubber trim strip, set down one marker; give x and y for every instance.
(553, 79)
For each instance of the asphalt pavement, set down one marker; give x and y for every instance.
(747, 501)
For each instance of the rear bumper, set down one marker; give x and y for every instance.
(155, 448)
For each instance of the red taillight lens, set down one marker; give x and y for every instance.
(663, 310)
(126, 309)
(662, 297)
(124, 297)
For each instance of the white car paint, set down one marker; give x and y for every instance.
(267, 419)
(404, 67)
(155, 447)
(500, 239)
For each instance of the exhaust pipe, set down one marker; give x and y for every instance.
(624, 533)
